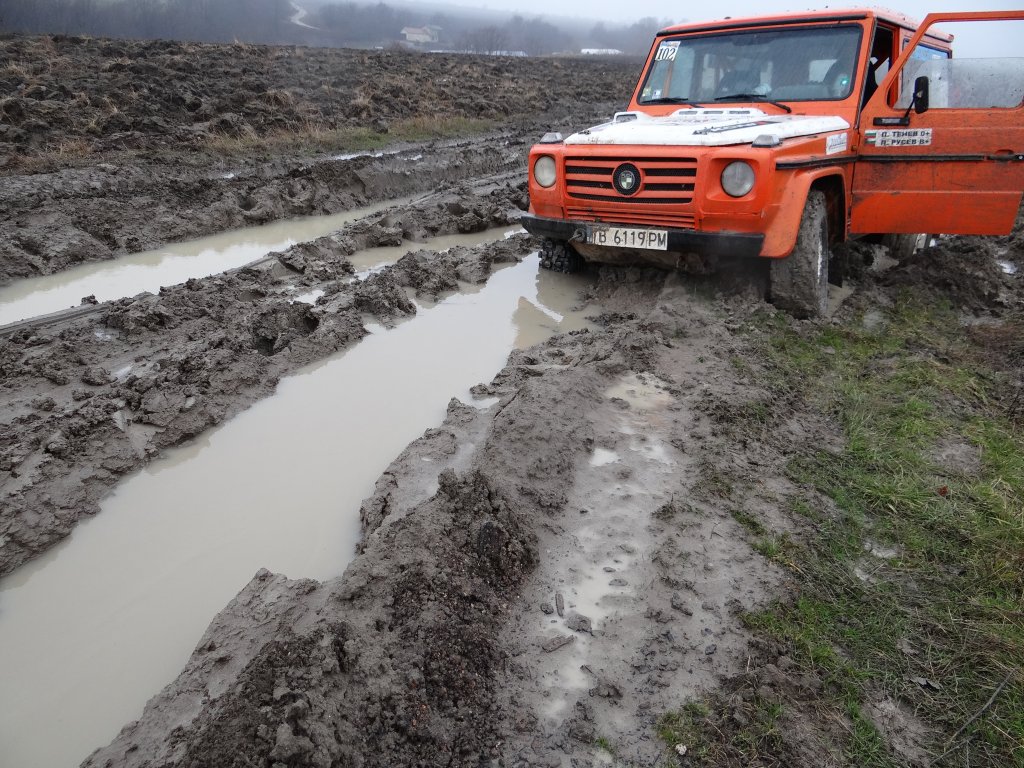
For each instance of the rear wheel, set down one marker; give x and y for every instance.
(799, 282)
(902, 247)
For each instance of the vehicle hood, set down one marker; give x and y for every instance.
(705, 127)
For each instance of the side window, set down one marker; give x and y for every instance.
(985, 71)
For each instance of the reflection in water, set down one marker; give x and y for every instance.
(170, 265)
(93, 628)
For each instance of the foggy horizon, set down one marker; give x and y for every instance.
(530, 27)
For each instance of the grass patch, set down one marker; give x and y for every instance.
(947, 607)
(712, 732)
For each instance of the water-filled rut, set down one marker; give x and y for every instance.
(102, 621)
(169, 265)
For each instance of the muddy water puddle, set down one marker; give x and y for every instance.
(169, 265)
(95, 627)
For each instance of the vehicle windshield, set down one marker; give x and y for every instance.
(794, 64)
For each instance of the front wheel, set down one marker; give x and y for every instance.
(799, 282)
(560, 257)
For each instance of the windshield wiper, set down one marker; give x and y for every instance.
(753, 97)
(672, 100)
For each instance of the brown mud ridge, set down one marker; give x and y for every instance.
(558, 588)
(120, 94)
(113, 147)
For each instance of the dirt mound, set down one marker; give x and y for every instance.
(362, 671)
(965, 270)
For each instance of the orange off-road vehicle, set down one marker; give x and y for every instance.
(781, 137)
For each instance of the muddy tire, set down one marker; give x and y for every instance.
(560, 257)
(799, 282)
(902, 247)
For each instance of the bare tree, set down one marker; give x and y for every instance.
(489, 39)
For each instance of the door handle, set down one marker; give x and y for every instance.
(1006, 156)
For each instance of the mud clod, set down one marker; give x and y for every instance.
(578, 623)
(559, 641)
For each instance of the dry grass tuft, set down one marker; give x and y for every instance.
(278, 98)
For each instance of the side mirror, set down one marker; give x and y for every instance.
(921, 94)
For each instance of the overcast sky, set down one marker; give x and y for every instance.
(619, 11)
(616, 10)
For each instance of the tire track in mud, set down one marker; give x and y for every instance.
(279, 486)
(635, 605)
(53, 221)
(93, 398)
(436, 645)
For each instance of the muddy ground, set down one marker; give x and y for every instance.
(112, 147)
(541, 599)
(544, 598)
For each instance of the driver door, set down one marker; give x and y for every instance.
(954, 167)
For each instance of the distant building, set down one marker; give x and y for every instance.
(600, 51)
(417, 35)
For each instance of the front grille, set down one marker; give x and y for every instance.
(664, 181)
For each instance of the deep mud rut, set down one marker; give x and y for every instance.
(539, 579)
(564, 580)
(128, 378)
(548, 593)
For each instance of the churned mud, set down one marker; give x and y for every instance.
(279, 486)
(538, 580)
(114, 147)
(556, 561)
(93, 396)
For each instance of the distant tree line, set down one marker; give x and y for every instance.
(201, 20)
(363, 24)
(348, 24)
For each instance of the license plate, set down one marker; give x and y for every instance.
(620, 237)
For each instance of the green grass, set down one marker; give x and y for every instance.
(956, 588)
(949, 607)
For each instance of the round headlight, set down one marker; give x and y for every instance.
(738, 178)
(544, 171)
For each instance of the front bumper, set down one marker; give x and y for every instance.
(713, 244)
